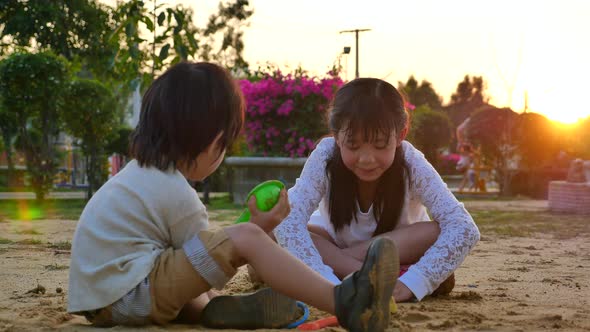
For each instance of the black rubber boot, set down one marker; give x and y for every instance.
(362, 300)
(264, 308)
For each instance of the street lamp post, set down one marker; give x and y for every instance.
(356, 34)
(345, 51)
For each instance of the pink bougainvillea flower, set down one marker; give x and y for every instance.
(285, 114)
(410, 106)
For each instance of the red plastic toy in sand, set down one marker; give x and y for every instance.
(319, 324)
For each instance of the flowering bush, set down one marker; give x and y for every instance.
(447, 164)
(286, 114)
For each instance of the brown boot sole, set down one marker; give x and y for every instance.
(383, 275)
(265, 308)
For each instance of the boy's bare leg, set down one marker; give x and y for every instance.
(212, 294)
(279, 269)
(360, 302)
(191, 312)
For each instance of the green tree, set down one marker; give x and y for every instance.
(430, 131)
(123, 46)
(228, 22)
(89, 116)
(537, 139)
(71, 28)
(576, 139)
(469, 96)
(119, 141)
(471, 89)
(8, 129)
(31, 87)
(493, 130)
(79, 30)
(423, 94)
(173, 37)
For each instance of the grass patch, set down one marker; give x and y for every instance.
(223, 210)
(15, 189)
(63, 245)
(526, 223)
(511, 231)
(55, 267)
(31, 189)
(29, 242)
(496, 198)
(226, 216)
(223, 203)
(48, 209)
(70, 209)
(495, 218)
(29, 232)
(5, 241)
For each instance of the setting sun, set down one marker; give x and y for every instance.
(561, 110)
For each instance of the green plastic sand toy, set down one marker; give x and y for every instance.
(267, 195)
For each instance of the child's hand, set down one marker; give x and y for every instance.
(401, 293)
(269, 220)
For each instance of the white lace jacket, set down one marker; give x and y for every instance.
(458, 236)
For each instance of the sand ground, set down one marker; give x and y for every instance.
(531, 273)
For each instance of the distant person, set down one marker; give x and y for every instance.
(563, 159)
(142, 252)
(465, 166)
(461, 133)
(367, 182)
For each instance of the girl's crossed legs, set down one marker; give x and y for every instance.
(412, 242)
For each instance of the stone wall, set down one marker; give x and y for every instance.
(569, 197)
(247, 172)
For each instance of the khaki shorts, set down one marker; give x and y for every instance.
(173, 281)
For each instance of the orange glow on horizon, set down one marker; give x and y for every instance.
(563, 110)
(515, 47)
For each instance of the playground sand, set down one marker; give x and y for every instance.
(533, 282)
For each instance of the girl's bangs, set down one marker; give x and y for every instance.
(368, 116)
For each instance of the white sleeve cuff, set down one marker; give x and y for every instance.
(416, 282)
(330, 276)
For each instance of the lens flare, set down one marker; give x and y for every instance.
(26, 211)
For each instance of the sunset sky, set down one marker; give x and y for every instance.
(542, 47)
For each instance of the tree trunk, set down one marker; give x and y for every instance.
(7, 138)
(8, 133)
(89, 177)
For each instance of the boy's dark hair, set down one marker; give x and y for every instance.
(371, 107)
(183, 111)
